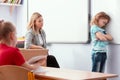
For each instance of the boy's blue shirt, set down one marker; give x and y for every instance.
(98, 45)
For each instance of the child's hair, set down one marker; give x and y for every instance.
(100, 15)
(5, 29)
(1, 21)
(31, 24)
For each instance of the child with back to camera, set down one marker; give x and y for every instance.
(100, 39)
(9, 54)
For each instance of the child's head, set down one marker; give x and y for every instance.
(36, 21)
(101, 19)
(8, 33)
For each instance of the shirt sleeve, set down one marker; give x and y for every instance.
(18, 58)
(94, 29)
(28, 39)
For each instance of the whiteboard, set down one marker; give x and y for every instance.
(65, 21)
(111, 7)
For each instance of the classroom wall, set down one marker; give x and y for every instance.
(22, 16)
(78, 56)
(18, 16)
(6, 15)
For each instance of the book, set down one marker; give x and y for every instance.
(35, 59)
(39, 70)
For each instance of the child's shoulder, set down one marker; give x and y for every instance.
(94, 27)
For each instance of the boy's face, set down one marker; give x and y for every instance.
(102, 22)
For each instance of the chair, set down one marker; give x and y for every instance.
(12, 72)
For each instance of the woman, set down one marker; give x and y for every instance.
(9, 54)
(36, 38)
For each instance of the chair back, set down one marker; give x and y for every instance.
(12, 72)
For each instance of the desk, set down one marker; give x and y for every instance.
(67, 74)
(29, 53)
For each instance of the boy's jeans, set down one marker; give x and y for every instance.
(98, 61)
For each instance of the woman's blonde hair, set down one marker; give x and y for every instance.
(33, 18)
(5, 29)
(100, 15)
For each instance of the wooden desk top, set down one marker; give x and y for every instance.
(67, 74)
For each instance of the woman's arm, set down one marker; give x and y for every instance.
(35, 47)
(28, 39)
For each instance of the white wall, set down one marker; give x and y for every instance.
(22, 19)
(78, 56)
(18, 16)
(74, 56)
(113, 64)
(5, 14)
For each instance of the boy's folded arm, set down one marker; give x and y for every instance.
(101, 36)
(109, 37)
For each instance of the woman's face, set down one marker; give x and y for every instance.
(102, 22)
(39, 23)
